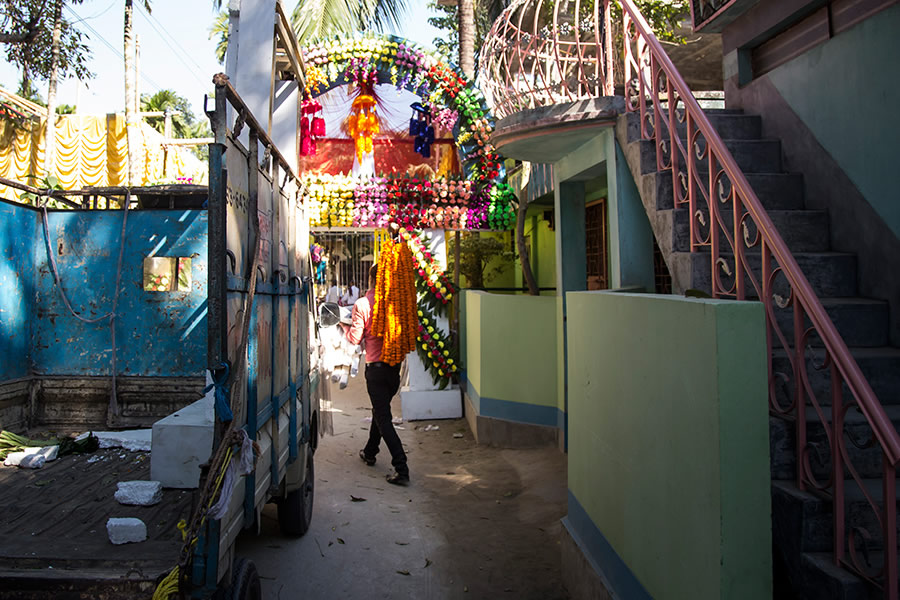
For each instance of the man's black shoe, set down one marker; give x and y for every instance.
(398, 478)
(369, 460)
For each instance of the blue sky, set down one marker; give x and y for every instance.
(176, 52)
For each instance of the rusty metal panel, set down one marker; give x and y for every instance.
(158, 333)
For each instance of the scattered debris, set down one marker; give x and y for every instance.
(397, 420)
(319, 547)
(126, 530)
(458, 435)
(367, 419)
(340, 541)
(404, 572)
(432, 427)
(356, 498)
(139, 493)
(402, 543)
(427, 563)
(31, 458)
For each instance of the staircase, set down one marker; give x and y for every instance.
(803, 522)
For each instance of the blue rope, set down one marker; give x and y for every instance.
(223, 410)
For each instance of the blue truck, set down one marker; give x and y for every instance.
(113, 310)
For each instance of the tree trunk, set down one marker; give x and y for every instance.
(523, 251)
(50, 135)
(132, 132)
(466, 12)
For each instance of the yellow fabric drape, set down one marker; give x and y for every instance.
(91, 151)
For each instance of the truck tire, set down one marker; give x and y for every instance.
(245, 584)
(295, 509)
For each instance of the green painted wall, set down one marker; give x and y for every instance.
(510, 346)
(845, 92)
(543, 250)
(668, 439)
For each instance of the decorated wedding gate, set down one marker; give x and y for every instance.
(365, 170)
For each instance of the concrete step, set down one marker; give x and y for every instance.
(862, 322)
(809, 517)
(752, 156)
(728, 123)
(880, 366)
(867, 460)
(831, 274)
(776, 191)
(802, 230)
(802, 536)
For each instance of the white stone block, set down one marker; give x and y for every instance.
(126, 530)
(437, 404)
(136, 440)
(140, 493)
(181, 443)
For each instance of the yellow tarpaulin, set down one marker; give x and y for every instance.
(92, 151)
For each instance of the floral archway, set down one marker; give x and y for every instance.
(474, 197)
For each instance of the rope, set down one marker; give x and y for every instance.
(215, 487)
(111, 315)
(223, 410)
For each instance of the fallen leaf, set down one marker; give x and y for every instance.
(507, 494)
(345, 524)
(402, 543)
(427, 563)
(333, 528)
(331, 543)
(465, 588)
(356, 498)
(446, 452)
(340, 541)
(404, 572)
(458, 435)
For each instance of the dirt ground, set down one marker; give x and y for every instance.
(476, 522)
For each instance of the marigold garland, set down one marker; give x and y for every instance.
(394, 317)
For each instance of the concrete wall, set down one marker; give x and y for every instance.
(832, 108)
(509, 353)
(668, 445)
(18, 231)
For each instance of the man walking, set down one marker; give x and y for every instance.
(382, 382)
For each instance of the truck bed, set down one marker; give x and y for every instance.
(53, 529)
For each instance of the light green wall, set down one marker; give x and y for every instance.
(543, 250)
(845, 91)
(510, 341)
(668, 439)
(470, 337)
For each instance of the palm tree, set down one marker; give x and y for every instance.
(221, 27)
(317, 19)
(466, 11)
(131, 118)
(168, 100)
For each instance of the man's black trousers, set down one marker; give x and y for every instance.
(382, 382)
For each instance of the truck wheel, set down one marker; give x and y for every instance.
(295, 509)
(245, 583)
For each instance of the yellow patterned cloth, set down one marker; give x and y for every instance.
(92, 151)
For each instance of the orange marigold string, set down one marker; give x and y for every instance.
(395, 317)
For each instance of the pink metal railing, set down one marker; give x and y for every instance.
(727, 218)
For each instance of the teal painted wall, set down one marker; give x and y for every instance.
(668, 440)
(845, 91)
(630, 236)
(509, 350)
